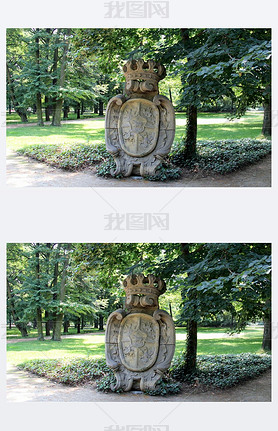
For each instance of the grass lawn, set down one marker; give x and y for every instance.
(210, 127)
(210, 341)
(13, 118)
(14, 333)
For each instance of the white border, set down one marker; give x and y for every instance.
(196, 215)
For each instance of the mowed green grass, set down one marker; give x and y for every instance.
(14, 333)
(91, 131)
(210, 341)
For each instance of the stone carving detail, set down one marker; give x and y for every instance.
(140, 126)
(140, 340)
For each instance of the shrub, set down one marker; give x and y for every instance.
(165, 172)
(215, 156)
(104, 384)
(165, 386)
(70, 157)
(213, 371)
(105, 168)
(222, 156)
(68, 371)
(221, 371)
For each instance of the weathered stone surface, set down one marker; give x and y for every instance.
(140, 126)
(140, 340)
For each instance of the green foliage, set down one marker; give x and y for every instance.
(68, 371)
(106, 167)
(221, 371)
(222, 156)
(218, 371)
(104, 384)
(165, 386)
(165, 172)
(70, 157)
(226, 62)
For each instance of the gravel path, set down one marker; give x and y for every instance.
(25, 172)
(25, 387)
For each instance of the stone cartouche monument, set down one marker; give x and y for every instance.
(140, 340)
(140, 125)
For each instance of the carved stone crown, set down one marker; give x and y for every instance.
(139, 284)
(143, 76)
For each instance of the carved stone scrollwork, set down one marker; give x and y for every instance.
(140, 341)
(140, 128)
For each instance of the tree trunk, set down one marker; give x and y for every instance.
(266, 344)
(66, 325)
(100, 107)
(55, 287)
(39, 110)
(82, 108)
(65, 111)
(21, 326)
(191, 132)
(78, 326)
(191, 340)
(47, 109)
(266, 131)
(96, 323)
(82, 322)
(57, 328)
(170, 95)
(96, 108)
(101, 323)
(56, 120)
(191, 346)
(19, 110)
(170, 309)
(38, 95)
(47, 323)
(59, 316)
(46, 98)
(39, 323)
(191, 125)
(39, 311)
(78, 112)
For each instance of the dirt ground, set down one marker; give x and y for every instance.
(25, 172)
(25, 387)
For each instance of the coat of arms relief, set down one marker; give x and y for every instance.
(140, 339)
(140, 125)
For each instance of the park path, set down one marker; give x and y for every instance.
(26, 172)
(25, 387)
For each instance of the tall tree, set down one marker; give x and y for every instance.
(61, 77)
(61, 295)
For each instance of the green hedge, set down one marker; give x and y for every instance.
(221, 371)
(213, 371)
(219, 157)
(70, 157)
(72, 371)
